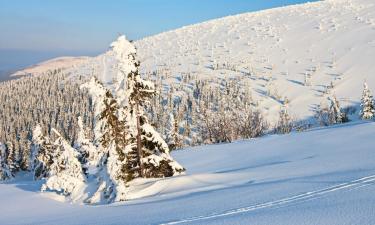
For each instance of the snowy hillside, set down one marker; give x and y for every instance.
(327, 41)
(303, 53)
(289, 178)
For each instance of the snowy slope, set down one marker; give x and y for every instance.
(289, 178)
(332, 41)
(334, 37)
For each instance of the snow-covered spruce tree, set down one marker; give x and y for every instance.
(5, 172)
(11, 158)
(85, 147)
(335, 112)
(26, 163)
(43, 153)
(66, 175)
(152, 153)
(367, 104)
(114, 139)
(103, 160)
(173, 139)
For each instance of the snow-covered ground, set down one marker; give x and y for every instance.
(322, 176)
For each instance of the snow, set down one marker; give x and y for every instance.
(322, 176)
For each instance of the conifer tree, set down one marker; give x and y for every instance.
(11, 158)
(43, 154)
(5, 172)
(367, 104)
(152, 153)
(335, 112)
(86, 148)
(66, 174)
(174, 139)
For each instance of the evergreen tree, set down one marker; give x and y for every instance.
(5, 172)
(26, 152)
(114, 140)
(335, 112)
(367, 104)
(173, 139)
(151, 151)
(43, 154)
(86, 149)
(11, 158)
(66, 174)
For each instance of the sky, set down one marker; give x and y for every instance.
(35, 30)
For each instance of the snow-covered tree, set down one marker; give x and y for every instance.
(367, 104)
(173, 137)
(86, 149)
(11, 158)
(66, 175)
(43, 153)
(336, 115)
(5, 172)
(26, 163)
(114, 139)
(151, 151)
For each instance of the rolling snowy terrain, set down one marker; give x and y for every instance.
(289, 178)
(301, 54)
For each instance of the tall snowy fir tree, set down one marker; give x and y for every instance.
(128, 146)
(105, 158)
(152, 153)
(367, 104)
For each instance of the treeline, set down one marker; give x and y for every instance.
(51, 100)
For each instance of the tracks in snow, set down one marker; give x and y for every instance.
(364, 181)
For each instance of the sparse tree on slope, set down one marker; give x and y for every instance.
(284, 125)
(367, 104)
(335, 112)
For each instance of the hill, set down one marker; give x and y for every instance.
(289, 178)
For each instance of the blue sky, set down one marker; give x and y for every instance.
(86, 27)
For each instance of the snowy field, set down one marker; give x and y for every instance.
(322, 176)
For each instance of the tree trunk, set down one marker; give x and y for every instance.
(139, 143)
